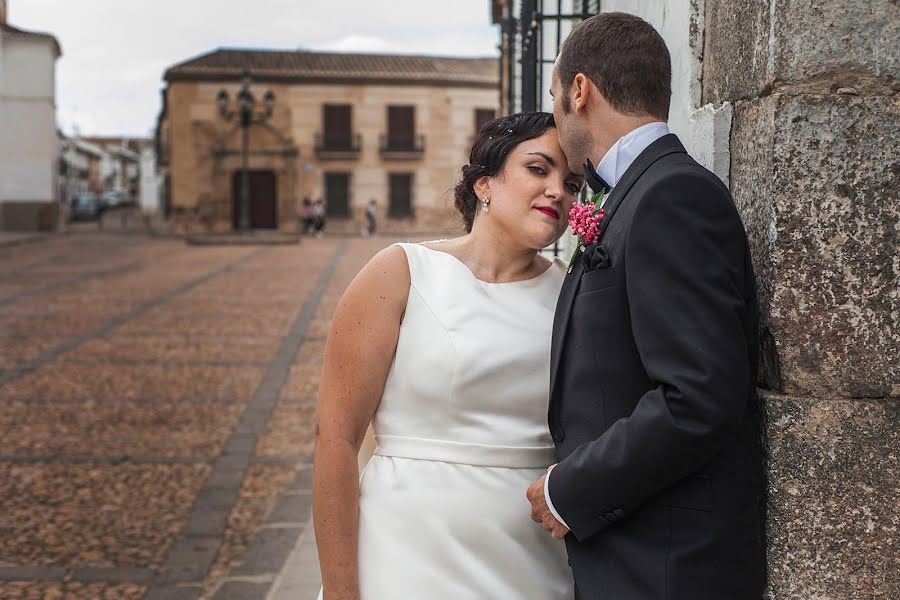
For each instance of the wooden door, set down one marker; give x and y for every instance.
(263, 199)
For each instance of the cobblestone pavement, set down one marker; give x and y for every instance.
(156, 411)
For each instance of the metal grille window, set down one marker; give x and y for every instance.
(543, 25)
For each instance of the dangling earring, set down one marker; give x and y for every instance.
(484, 203)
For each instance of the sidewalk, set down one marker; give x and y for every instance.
(299, 578)
(14, 238)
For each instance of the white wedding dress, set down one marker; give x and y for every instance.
(461, 433)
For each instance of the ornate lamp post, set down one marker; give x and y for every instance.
(247, 115)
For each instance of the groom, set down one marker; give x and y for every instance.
(654, 353)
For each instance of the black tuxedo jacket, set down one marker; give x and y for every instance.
(653, 407)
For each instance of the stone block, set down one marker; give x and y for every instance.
(190, 558)
(735, 50)
(243, 590)
(833, 488)
(174, 592)
(815, 178)
(809, 46)
(840, 43)
(268, 551)
(292, 508)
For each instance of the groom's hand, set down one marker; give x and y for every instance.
(540, 512)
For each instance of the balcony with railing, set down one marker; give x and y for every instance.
(401, 147)
(338, 147)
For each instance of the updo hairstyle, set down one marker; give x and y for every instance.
(490, 149)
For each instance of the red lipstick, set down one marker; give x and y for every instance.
(550, 212)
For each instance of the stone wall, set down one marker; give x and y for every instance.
(815, 173)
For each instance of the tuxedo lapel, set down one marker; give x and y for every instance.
(668, 144)
(561, 317)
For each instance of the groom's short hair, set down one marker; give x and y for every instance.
(626, 59)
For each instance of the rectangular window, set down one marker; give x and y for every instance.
(400, 195)
(337, 194)
(482, 116)
(401, 127)
(338, 126)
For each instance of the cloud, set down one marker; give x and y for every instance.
(114, 52)
(359, 43)
(440, 44)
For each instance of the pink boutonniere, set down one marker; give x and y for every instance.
(585, 219)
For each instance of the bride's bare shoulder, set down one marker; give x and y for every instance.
(384, 279)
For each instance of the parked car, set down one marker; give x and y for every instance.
(115, 198)
(86, 207)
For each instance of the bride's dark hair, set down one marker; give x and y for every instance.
(490, 149)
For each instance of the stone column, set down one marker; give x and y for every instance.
(815, 174)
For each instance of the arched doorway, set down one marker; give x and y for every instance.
(263, 199)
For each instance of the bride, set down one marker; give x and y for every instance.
(445, 348)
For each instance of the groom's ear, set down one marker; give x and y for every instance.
(582, 91)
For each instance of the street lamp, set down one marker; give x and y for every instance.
(247, 115)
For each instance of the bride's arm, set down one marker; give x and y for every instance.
(358, 357)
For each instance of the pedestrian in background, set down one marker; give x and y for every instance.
(371, 217)
(318, 213)
(306, 215)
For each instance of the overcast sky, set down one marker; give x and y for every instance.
(115, 51)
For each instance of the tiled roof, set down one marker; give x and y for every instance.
(15, 31)
(302, 66)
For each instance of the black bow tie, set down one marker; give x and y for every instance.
(592, 179)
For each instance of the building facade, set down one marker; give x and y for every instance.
(794, 106)
(343, 128)
(29, 148)
(121, 163)
(79, 168)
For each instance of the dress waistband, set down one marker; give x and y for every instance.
(512, 457)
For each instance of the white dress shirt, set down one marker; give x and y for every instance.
(611, 168)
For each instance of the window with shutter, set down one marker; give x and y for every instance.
(401, 127)
(337, 194)
(400, 195)
(338, 126)
(482, 116)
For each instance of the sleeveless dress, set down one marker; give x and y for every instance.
(461, 433)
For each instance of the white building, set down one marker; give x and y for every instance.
(29, 148)
(150, 181)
